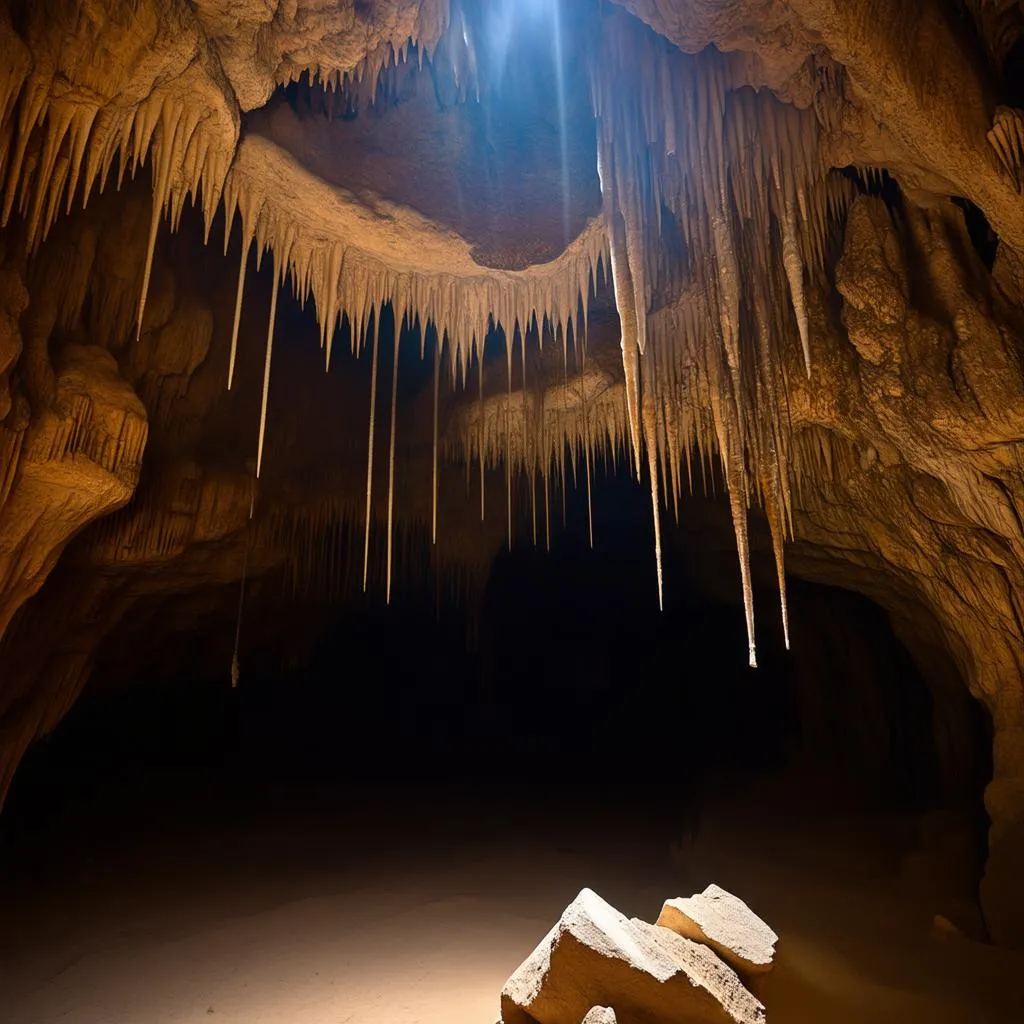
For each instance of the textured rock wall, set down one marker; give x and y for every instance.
(902, 451)
(921, 510)
(177, 553)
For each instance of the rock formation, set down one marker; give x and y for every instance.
(724, 923)
(596, 957)
(772, 245)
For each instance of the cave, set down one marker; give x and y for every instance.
(455, 453)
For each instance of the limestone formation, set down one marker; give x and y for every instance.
(774, 248)
(597, 956)
(725, 924)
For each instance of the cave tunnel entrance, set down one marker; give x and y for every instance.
(581, 738)
(574, 690)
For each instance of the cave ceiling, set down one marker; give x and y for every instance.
(349, 292)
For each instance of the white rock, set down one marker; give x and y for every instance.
(596, 957)
(727, 925)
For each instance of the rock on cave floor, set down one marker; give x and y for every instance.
(404, 907)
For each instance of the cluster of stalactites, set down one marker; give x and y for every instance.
(57, 148)
(323, 543)
(447, 50)
(548, 434)
(718, 206)
(344, 280)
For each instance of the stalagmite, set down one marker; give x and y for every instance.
(266, 372)
(238, 312)
(391, 456)
(369, 455)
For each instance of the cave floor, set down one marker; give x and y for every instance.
(388, 909)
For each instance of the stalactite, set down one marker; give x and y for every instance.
(1007, 139)
(547, 509)
(728, 288)
(625, 295)
(732, 465)
(176, 124)
(235, 667)
(737, 170)
(460, 301)
(795, 274)
(391, 456)
(533, 502)
(266, 373)
(369, 453)
(437, 380)
(480, 441)
(561, 477)
(741, 174)
(590, 510)
(238, 313)
(509, 338)
(773, 513)
(528, 460)
(652, 469)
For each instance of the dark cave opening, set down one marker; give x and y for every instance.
(577, 691)
(583, 740)
(983, 238)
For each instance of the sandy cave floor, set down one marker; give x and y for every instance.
(414, 912)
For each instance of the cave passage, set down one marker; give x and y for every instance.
(418, 419)
(403, 806)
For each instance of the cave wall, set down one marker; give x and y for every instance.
(921, 506)
(124, 465)
(158, 552)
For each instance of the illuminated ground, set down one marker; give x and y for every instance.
(417, 913)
